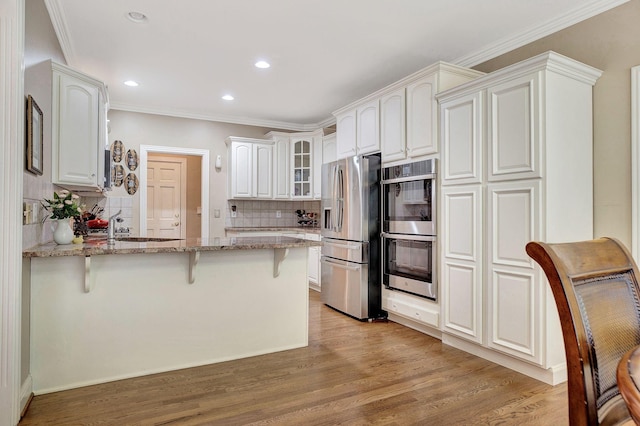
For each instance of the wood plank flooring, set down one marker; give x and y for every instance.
(351, 373)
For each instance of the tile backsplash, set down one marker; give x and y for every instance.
(252, 213)
(111, 206)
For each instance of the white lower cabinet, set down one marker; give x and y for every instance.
(462, 291)
(514, 291)
(313, 263)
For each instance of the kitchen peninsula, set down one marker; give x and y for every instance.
(106, 312)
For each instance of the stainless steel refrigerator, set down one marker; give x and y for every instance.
(350, 227)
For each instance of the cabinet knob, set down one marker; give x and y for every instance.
(176, 224)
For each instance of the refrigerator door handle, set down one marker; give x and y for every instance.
(340, 198)
(342, 265)
(344, 246)
(334, 198)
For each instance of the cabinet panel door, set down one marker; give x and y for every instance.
(514, 129)
(513, 305)
(392, 126)
(313, 265)
(241, 168)
(77, 132)
(462, 222)
(422, 116)
(282, 169)
(329, 149)
(264, 171)
(346, 134)
(513, 214)
(514, 292)
(301, 166)
(368, 128)
(462, 298)
(461, 133)
(316, 156)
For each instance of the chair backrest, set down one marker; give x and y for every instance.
(595, 287)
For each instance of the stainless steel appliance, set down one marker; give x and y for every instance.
(350, 231)
(409, 228)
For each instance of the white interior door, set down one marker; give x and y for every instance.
(166, 197)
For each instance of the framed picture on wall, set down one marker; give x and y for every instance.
(34, 137)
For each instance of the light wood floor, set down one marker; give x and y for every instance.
(351, 373)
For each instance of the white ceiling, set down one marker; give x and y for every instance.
(325, 54)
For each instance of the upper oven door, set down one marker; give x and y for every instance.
(409, 205)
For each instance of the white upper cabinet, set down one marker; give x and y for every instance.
(422, 116)
(392, 125)
(462, 136)
(514, 128)
(302, 167)
(250, 172)
(329, 148)
(368, 128)
(346, 134)
(358, 130)
(77, 105)
(297, 170)
(318, 147)
(406, 125)
(281, 173)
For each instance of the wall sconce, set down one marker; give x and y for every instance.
(218, 162)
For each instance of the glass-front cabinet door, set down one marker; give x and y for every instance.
(302, 174)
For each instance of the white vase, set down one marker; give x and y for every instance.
(63, 234)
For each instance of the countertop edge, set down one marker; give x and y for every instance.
(179, 246)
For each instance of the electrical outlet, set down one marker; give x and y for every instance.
(234, 213)
(216, 213)
(278, 213)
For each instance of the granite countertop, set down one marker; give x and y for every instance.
(100, 246)
(305, 229)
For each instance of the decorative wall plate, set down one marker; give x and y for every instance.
(117, 151)
(131, 183)
(132, 159)
(117, 175)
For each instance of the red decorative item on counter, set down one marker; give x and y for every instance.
(97, 223)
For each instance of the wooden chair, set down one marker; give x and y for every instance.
(595, 287)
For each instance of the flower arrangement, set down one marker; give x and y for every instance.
(63, 206)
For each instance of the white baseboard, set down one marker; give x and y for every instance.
(551, 376)
(26, 393)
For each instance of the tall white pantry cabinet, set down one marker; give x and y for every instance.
(516, 166)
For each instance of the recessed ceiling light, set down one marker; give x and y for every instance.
(262, 64)
(131, 83)
(227, 97)
(137, 17)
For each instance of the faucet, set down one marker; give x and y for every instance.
(111, 229)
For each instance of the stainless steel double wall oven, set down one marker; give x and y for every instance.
(409, 228)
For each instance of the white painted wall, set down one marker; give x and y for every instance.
(135, 129)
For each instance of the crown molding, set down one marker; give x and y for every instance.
(532, 34)
(225, 118)
(56, 14)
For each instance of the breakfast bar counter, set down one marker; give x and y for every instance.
(104, 312)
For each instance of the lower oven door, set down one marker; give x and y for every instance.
(410, 264)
